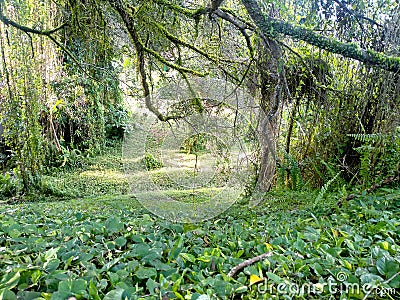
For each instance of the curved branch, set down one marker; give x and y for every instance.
(160, 58)
(141, 50)
(239, 25)
(183, 43)
(28, 30)
(248, 262)
(48, 33)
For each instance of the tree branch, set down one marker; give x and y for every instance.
(192, 13)
(248, 262)
(215, 4)
(271, 27)
(239, 25)
(48, 33)
(28, 30)
(141, 49)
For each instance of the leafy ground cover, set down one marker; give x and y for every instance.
(100, 243)
(111, 248)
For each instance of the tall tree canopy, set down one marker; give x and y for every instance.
(289, 53)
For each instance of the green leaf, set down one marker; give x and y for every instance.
(35, 276)
(300, 245)
(114, 294)
(371, 278)
(144, 272)
(140, 250)
(120, 241)
(241, 289)
(203, 297)
(387, 267)
(26, 295)
(274, 277)
(395, 282)
(151, 286)
(188, 257)
(51, 253)
(223, 288)
(10, 280)
(77, 286)
(114, 224)
(51, 265)
(7, 295)
(93, 292)
(14, 230)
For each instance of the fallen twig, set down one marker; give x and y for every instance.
(248, 262)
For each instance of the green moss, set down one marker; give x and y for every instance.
(272, 27)
(184, 11)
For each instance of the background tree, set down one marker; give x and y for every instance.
(291, 54)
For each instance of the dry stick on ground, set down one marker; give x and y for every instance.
(248, 262)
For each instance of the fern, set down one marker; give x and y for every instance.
(289, 173)
(370, 138)
(379, 155)
(324, 189)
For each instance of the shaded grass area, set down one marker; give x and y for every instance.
(105, 175)
(90, 177)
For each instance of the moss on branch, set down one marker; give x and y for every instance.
(271, 28)
(180, 69)
(28, 30)
(191, 13)
(183, 43)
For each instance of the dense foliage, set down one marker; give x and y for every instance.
(108, 248)
(79, 59)
(323, 76)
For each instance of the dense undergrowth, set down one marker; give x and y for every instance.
(111, 248)
(95, 241)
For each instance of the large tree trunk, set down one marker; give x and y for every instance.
(271, 75)
(267, 169)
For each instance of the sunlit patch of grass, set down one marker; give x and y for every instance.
(106, 175)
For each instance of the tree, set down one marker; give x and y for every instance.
(160, 43)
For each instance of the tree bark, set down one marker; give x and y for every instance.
(271, 80)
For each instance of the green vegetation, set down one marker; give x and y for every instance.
(105, 245)
(270, 129)
(110, 248)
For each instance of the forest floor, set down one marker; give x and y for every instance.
(90, 238)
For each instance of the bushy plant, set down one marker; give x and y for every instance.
(195, 144)
(116, 119)
(151, 162)
(10, 185)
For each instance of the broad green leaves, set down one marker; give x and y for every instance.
(75, 249)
